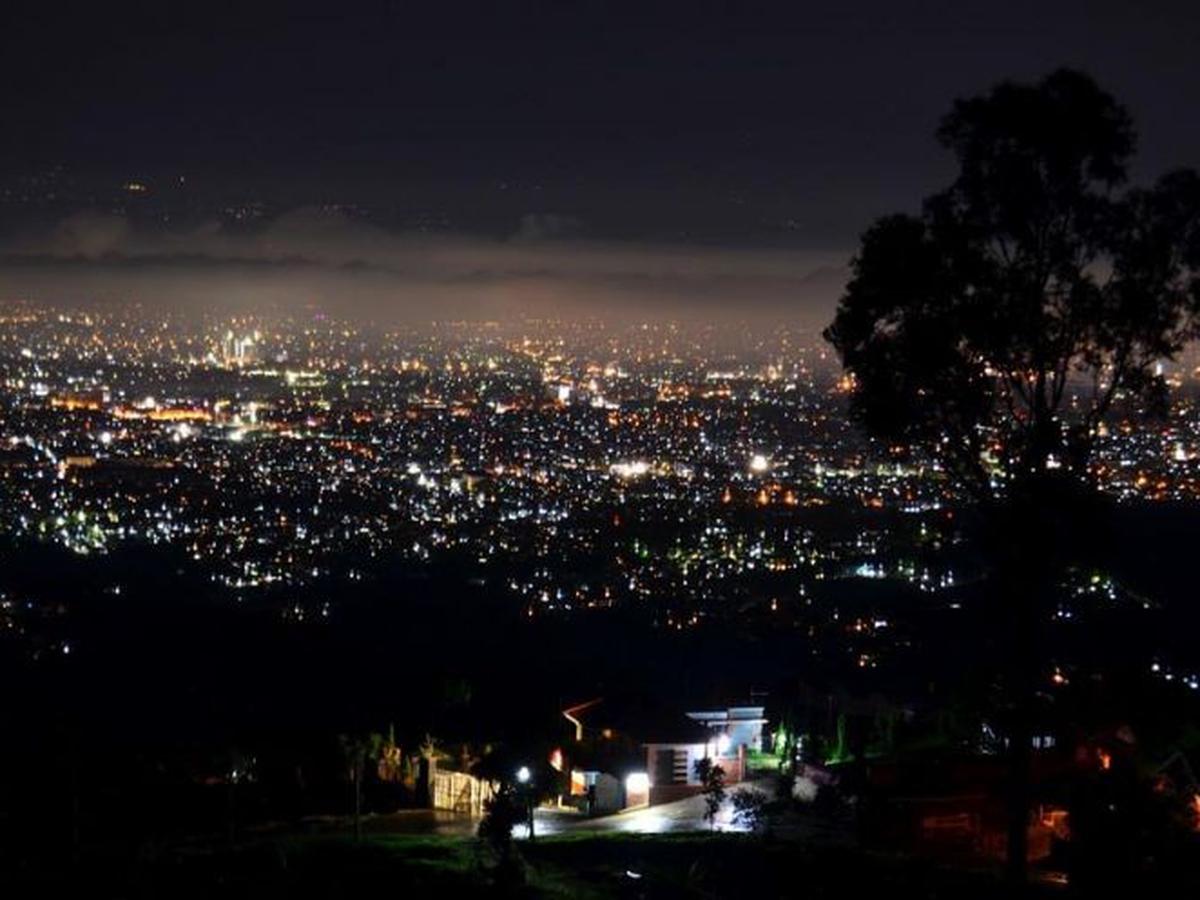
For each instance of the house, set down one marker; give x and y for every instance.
(603, 757)
(631, 753)
(722, 735)
(738, 726)
(601, 793)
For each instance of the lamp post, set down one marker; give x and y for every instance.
(525, 779)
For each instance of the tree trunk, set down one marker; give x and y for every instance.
(358, 803)
(1027, 585)
(1019, 784)
(76, 830)
(231, 811)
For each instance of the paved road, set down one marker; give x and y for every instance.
(679, 815)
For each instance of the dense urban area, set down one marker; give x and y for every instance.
(686, 471)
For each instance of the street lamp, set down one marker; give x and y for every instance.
(523, 777)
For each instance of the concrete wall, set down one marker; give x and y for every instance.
(745, 734)
(673, 764)
(610, 794)
(666, 793)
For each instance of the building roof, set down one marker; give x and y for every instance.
(637, 718)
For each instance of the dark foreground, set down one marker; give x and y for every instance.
(685, 865)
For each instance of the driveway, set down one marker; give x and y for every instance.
(678, 815)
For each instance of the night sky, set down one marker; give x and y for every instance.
(690, 154)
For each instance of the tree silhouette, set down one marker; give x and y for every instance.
(238, 769)
(996, 330)
(503, 811)
(750, 809)
(712, 777)
(998, 327)
(359, 751)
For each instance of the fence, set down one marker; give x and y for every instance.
(460, 793)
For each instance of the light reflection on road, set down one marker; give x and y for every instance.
(677, 816)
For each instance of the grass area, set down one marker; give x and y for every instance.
(726, 865)
(585, 866)
(758, 761)
(419, 866)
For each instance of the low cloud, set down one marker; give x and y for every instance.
(547, 226)
(314, 256)
(90, 235)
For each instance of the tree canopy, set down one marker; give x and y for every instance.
(999, 326)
